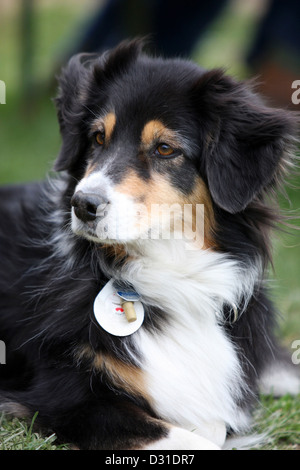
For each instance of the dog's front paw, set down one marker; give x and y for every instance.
(180, 439)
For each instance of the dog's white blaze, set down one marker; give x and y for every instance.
(97, 181)
(192, 369)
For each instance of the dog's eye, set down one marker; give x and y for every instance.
(165, 150)
(100, 137)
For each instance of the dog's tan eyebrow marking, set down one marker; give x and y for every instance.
(106, 123)
(155, 130)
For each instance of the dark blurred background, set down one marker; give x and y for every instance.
(248, 38)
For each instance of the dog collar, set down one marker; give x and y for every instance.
(118, 309)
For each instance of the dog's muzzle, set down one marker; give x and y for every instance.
(88, 206)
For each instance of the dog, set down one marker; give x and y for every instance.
(80, 252)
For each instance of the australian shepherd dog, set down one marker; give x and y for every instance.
(133, 298)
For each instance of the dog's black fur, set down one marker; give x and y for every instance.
(49, 277)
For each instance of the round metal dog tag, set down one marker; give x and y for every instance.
(110, 314)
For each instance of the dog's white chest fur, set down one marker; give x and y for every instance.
(191, 368)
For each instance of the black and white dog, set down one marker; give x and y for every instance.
(145, 138)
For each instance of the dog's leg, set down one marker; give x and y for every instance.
(119, 427)
(127, 427)
(95, 417)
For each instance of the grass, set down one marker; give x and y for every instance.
(280, 420)
(17, 434)
(29, 142)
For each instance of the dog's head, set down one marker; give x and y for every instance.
(145, 135)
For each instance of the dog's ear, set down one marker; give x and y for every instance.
(82, 79)
(245, 142)
(73, 83)
(117, 60)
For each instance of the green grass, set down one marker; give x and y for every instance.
(16, 434)
(29, 142)
(279, 419)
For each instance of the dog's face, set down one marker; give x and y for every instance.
(149, 140)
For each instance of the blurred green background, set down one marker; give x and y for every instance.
(30, 53)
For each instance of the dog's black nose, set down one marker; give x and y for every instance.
(88, 206)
